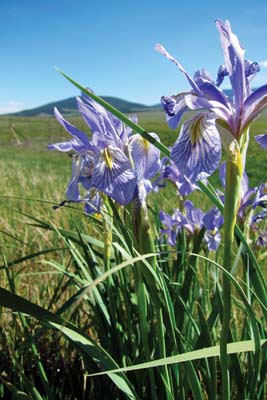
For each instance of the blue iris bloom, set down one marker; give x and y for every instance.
(197, 151)
(112, 161)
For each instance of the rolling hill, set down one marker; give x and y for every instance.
(69, 106)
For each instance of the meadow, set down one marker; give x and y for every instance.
(49, 256)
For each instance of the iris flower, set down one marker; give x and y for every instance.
(218, 118)
(192, 221)
(111, 161)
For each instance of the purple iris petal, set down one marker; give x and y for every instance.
(194, 215)
(146, 157)
(113, 175)
(81, 139)
(93, 201)
(174, 107)
(213, 239)
(222, 73)
(251, 68)
(62, 146)
(163, 51)
(213, 219)
(254, 105)
(98, 119)
(236, 113)
(208, 89)
(169, 171)
(262, 140)
(260, 216)
(234, 61)
(261, 196)
(212, 92)
(247, 200)
(72, 192)
(197, 151)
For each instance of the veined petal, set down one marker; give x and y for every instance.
(212, 92)
(146, 157)
(80, 136)
(93, 120)
(113, 175)
(234, 61)
(96, 116)
(219, 109)
(163, 51)
(254, 105)
(256, 97)
(72, 192)
(262, 140)
(197, 151)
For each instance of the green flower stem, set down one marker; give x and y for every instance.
(232, 198)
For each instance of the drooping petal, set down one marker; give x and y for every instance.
(213, 239)
(194, 215)
(72, 191)
(113, 175)
(93, 201)
(234, 61)
(197, 151)
(219, 109)
(175, 107)
(146, 157)
(262, 140)
(213, 219)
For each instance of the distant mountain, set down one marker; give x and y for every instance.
(69, 106)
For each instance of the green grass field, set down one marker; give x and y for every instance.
(31, 171)
(33, 180)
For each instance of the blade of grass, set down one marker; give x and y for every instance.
(89, 348)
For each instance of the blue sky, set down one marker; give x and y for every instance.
(109, 46)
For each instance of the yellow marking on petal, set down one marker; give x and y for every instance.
(145, 144)
(107, 158)
(195, 132)
(98, 216)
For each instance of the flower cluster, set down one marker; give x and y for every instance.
(193, 220)
(218, 118)
(112, 161)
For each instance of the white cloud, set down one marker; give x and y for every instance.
(263, 64)
(11, 107)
